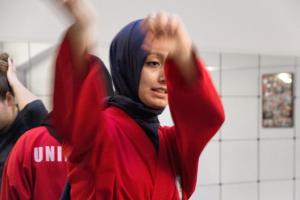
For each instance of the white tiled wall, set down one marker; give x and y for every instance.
(244, 191)
(206, 193)
(297, 195)
(209, 170)
(239, 161)
(243, 161)
(276, 159)
(279, 190)
(239, 61)
(241, 118)
(277, 61)
(241, 82)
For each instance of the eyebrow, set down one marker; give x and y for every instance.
(160, 55)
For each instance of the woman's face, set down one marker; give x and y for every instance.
(152, 86)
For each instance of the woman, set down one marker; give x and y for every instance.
(20, 110)
(118, 150)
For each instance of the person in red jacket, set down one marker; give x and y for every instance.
(36, 167)
(20, 109)
(119, 150)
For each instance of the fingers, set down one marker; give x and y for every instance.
(161, 24)
(166, 33)
(173, 24)
(147, 44)
(11, 65)
(10, 62)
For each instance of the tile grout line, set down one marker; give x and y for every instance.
(221, 131)
(258, 127)
(295, 135)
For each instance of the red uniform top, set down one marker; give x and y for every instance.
(35, 169)
(109, 154)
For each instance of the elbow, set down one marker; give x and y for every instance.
(219, 117)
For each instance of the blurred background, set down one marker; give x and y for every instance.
(240, 42)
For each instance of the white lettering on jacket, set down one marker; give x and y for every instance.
(48, 154)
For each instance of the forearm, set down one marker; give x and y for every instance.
(197, 113)
(80, 33)
(202, 92)
(187, 65)
(22, 95)
(75, 98)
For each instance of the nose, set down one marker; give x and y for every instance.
(162, 75)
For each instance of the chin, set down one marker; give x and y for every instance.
(158, 105)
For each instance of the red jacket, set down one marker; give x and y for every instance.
(109, 154)
(35, 169)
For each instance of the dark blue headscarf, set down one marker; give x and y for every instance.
(126, 61)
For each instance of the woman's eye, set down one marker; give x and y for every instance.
(153, 64)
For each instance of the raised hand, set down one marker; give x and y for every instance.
(80, 10)
(80, 33)
(166, 32)
(11, 71)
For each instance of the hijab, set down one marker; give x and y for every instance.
(127, 58)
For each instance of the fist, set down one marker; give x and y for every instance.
(166, 33)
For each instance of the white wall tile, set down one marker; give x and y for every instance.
(239, 161)
(209, 165)
(277, 61)
(276, 159)
(241, 118)
(297, 158)
(206, 193)
(240, 82)
(240, 191)
(42, 60)
(280, 190)
(234, 60)
(297, 189)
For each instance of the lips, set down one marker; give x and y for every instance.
(160, 90)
